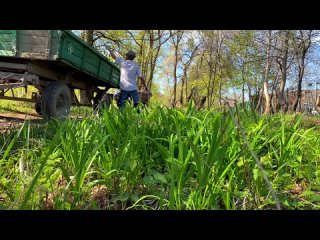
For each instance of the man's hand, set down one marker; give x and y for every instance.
(108, 47)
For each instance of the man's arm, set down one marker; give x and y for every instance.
(118, 60)
(112, 54)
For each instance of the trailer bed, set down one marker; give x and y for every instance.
(57, 51)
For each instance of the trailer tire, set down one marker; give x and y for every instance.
(56, 100)
(37, 105)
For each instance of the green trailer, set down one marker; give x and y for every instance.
(55, 62)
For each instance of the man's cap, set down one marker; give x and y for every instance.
(131, 54)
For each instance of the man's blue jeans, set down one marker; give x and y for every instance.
(124, 95)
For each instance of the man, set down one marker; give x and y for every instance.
(128, 83)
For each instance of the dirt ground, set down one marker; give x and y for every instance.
(11, 120)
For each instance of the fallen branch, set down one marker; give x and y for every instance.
(244, 135)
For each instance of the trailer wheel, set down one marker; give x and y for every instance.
(56, 100)
(37, 105)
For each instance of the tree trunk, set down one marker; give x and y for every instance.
(243, 70)
(175, 77)
(249, 91)
(220, 78)
(186, 88)
(191, 94)
(243, 83)
(259, 104)
(283, 104)
(208, 90)
(203, 100)
(302, 48)
(318, 104)
(181, 91)
(88, 38)
(219, 62)
(185, 70)
(153, 60)
(300, 77)
(266, 77)
(176, 54)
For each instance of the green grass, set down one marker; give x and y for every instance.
(161, 159)
(15, 106)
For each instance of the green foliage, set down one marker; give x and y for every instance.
(160, 159)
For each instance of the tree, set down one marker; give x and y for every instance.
(302, 45)
(188, 56)
(210, 53)
(245, 68)
(87, 36)
(148, 44)
(176, 39)
(282, 61)
(268, 107)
